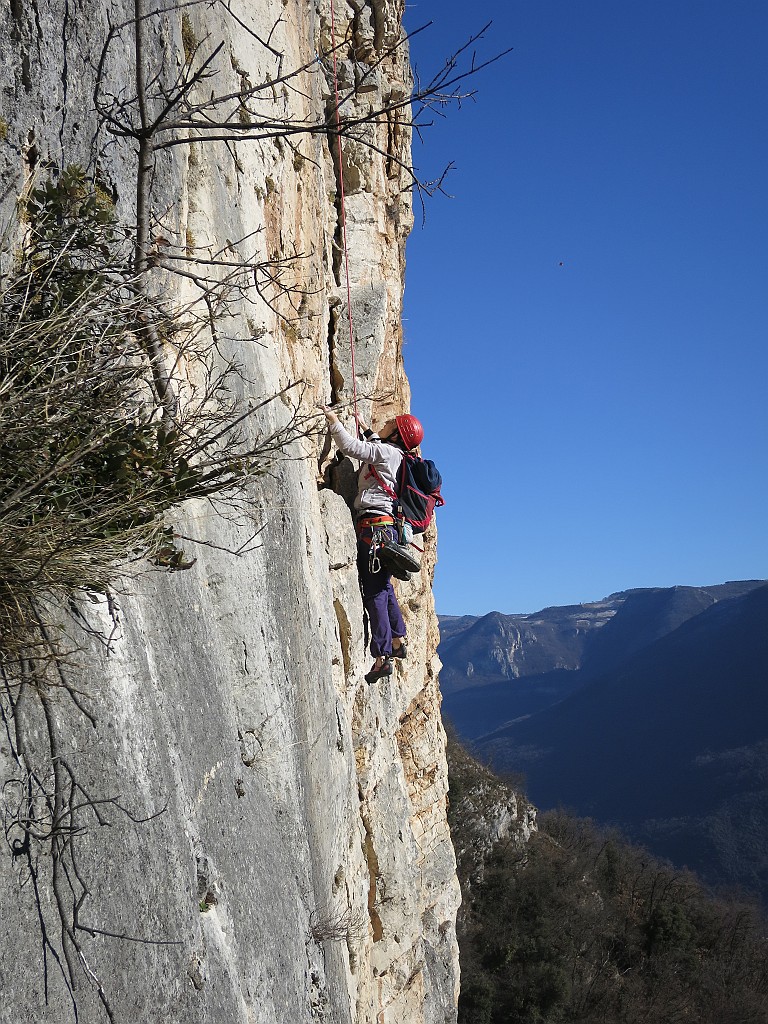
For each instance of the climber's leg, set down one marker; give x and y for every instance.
(376, 588)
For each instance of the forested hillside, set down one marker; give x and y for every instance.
(576, 925)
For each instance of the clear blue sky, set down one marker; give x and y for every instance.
(599, 424)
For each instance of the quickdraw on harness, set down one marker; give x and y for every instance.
(374, 562)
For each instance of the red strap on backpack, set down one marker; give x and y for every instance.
(385, 487)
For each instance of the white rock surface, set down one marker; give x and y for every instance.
(302, 867)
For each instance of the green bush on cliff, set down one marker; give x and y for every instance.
(90, 458)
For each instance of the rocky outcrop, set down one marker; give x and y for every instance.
(276, 846)
(485, 812)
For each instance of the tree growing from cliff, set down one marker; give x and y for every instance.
(182, 108)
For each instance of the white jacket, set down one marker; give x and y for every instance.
(377, 454)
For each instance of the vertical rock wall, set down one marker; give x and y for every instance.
(301, 868)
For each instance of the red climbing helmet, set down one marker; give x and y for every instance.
(410, 430)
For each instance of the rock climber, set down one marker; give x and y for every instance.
(381, 454)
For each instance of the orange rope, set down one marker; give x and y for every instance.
(344, 221)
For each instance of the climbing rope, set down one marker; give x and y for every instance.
(344, 220)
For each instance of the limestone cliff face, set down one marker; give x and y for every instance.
(301, 868)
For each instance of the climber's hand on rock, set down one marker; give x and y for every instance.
(330, 415)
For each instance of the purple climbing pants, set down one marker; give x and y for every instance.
(380, 602)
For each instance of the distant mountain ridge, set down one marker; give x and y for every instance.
(479, 651)
(663, 729)
(525, 663)
(498, 646)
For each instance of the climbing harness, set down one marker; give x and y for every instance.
(384, 551)
(374, 531)
(344, 219)
(366, 522)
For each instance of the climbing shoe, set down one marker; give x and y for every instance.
(398, 558)
(402, 650)
(379, 673)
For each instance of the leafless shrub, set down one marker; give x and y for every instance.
(338, 924)
(90, 461)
